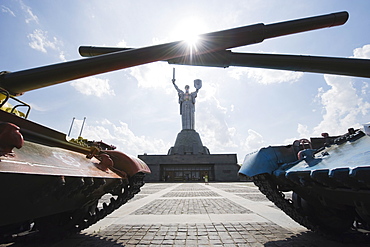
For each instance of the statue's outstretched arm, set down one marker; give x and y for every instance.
(176, 87)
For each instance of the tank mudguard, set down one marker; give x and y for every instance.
(38, 159)
(127, 163)
(267, 160)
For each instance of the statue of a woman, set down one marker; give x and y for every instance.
(187, 104)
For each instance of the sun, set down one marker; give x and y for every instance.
(192, 39)
(189, 30)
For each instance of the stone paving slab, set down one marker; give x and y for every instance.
(164, 216)
(221, 234)
(254, 197)
(191, 206)
(193, 187)
(240, 190)
(191, 194)
(148, 191)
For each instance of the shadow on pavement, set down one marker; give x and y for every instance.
(80, 240)
(306, 239)
(310, 239)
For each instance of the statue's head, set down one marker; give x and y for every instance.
(187, 87)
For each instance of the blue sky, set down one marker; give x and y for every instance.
(238, 110)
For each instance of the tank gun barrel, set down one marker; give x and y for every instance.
(269, 31)
(26, 80)
(226, 58)
(316, 64)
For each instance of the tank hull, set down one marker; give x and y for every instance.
(323, 184)
(52, 187)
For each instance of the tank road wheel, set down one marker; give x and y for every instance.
(56, 226)
(324, 221)
(7, 232)
(330, 220)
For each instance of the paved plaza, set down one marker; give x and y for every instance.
(195, 214)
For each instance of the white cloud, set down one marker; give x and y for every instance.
(365, 88)
(40, 41)
(253, 141)
(5, 9)
(210, 122)
(123, 138)
(208, 93)
(105, 122)
(30, 15)
(122, 44)
(152, 75)
(341, 104)
(266, 76)
(62, 56)
(158, 75)
(303, 131)
(362, 52)
(93, 86)
(41, 108)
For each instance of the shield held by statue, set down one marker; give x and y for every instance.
(197, 84)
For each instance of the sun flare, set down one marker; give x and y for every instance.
(189, 30)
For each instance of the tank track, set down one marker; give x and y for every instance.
(271, 190)
(56, 227)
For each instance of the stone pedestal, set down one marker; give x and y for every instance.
(188, 142)
(189, 161)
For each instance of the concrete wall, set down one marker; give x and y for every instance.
(225, 165)
(226, 172)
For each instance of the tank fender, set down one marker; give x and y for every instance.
(10, 138)
(267, 160)
(106, 163)
(127, 163)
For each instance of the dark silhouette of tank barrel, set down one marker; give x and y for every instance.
(316, 64)
(22, 81)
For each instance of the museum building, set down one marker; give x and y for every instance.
(189, 161)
